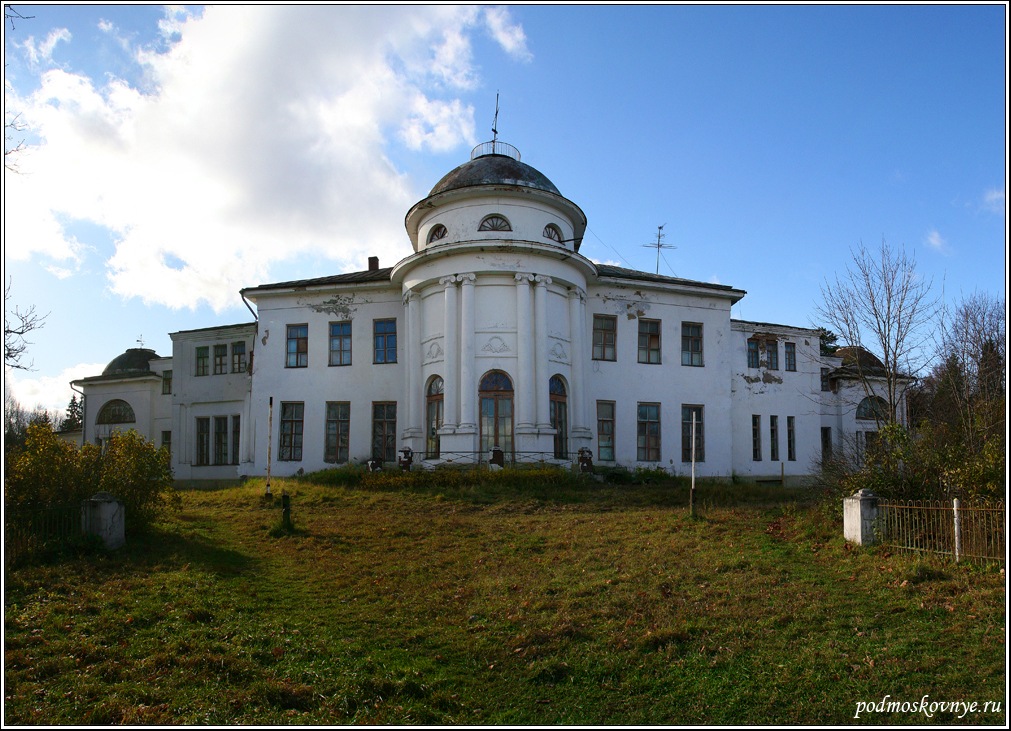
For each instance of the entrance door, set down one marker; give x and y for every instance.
(496, 393)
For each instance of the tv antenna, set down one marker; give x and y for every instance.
(659, 245)
(494, 126)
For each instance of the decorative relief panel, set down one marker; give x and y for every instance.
(495, 346)
(433, 353)
(558, 354)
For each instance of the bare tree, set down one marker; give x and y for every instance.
(16, 328)
(882, 305)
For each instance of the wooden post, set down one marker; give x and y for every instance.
(958, 529)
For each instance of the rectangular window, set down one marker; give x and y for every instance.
(753, 359)
(649, 341)
(791, 439)
(692, 415)
(691, 344)
(220, 359)
(774, 438)
(166, 441)
(338, 431)
(826, 385)
(385, 336)
(340, 343)
(756, 438)
(298, 347)
(166, 383)
(203, 441)
(384, 431)
(220, 440)
(605, 332)
(772, 354)
(292, 413)
(203, 360)
(238, 357)
(235, 439)
(826, 443)
(648, 433)
(790, 353)
(605, 431)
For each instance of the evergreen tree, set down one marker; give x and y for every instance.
(72, 421)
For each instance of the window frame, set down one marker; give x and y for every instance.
(648, 447)
(648, 350)
(343, 339)
(239, 360)
(772, 355)
(437, 233)
(773, 438)
(291, 431)
(791, 439)
(384, 429)
(386, 339)
(236, 437)
(754, 354)
(296, 354)
(489, 223)
(686, 433)
(602, 431)
(337, 432)
(688, 340)
(166, 383)
(202, 458)
(790, 356)
(600, 350)
(219, 454)
(756, 438)
(203, 360)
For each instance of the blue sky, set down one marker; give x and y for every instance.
(176, 155)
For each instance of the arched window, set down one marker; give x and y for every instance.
(438, 232)
(496, 394)
(551, 231)
(559, 416)
(116, 411)
(873, 408)
(433, 415)
(494, 222)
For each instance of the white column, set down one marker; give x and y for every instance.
(541, 374)
(468, 415)
(451, 346)
(413, 397)
(525, 386)
(576, 358)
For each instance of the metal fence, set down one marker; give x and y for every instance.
(28, 530)
(963, 531)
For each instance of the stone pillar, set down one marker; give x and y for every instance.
(452, 348)
(525, 386)
(580, 433)
(860, 515)
(541, 367)
(468, 386)
(103, 515)
(413, 397)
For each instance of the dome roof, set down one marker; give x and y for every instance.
(494, 170)
(132, 361)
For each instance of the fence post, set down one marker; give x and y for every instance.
(958, 530)
(103, 515)
(860, 515)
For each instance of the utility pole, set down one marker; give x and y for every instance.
(659, 245)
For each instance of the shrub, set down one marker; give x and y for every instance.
(48, 471)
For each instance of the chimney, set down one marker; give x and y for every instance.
(373, 263)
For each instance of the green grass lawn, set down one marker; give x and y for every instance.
(559, 605)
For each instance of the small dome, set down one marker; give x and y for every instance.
(132, 361)
(854, 355)
(494, 170)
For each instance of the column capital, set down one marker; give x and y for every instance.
(450, 280)
(411, 296)
(575, 292)
(468, 278)
(523, 277)
(542, 281)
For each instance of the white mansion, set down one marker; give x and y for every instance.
(494, 333)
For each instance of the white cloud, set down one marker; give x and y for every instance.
(993, 201)
(53, 393)
(41, 53)
(936, 242)
(245, 149)
(507, 34)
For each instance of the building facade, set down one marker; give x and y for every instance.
(493, 337)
